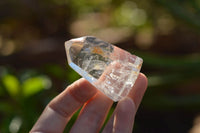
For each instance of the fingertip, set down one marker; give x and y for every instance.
(138, 90)
(124, 116)
(126, 105)
(81, 90)
(144, 79)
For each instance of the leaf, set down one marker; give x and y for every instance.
(11, 84)
(34, 85)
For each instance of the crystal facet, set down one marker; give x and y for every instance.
(110, 69)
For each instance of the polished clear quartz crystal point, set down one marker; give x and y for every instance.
(110, 69)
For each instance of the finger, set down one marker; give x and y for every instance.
(59, 111)
(138, 90)
(123, 118)
(131, 103)
(124, 115)
(92, 115)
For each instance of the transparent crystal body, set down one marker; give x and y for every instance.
(110, 69)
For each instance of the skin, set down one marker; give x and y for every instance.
(96, 105)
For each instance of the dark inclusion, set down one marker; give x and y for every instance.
(85, 54)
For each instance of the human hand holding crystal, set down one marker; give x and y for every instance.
(95, 104)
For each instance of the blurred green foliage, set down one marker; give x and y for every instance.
(16, 105)
(164, 33)
(24, 95)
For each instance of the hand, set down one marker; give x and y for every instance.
(95, 108)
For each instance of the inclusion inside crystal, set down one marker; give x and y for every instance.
(110, 69)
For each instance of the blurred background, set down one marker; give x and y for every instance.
(165, 33)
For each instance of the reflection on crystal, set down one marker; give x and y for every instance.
(109, 68)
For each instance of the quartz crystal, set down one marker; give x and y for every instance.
(110, 69)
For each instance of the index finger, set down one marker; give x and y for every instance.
(59, 111)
